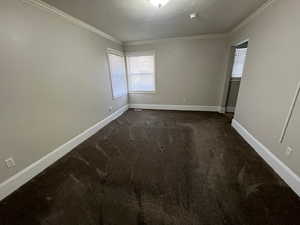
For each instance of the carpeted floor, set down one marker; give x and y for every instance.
(157, 168)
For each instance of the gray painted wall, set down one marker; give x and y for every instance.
(54, 83)
(188, 72)
(270, 79)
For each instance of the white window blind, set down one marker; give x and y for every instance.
(117, 74)
(239, 62)
(141, 72)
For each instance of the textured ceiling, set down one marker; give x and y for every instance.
(130, 20)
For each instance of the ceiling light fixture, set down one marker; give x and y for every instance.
(193, 15)
(159, 3)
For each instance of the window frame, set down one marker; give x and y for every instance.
(110, 51)
(142, 53)
(238, 76)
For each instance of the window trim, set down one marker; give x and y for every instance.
(142, 53)
(121, 54)
(238, 76)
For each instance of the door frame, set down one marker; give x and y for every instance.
(228, 72)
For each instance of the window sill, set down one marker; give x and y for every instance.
(142, 92)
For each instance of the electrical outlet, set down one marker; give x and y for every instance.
(110, 108)
(10, 162)
(289, 151)
(184, 100)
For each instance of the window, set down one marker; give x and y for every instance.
(239, 62)
(117, 73)
(141, 72)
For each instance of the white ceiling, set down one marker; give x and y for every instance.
(130, 20)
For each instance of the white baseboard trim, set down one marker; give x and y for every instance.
(177, 107)
(292, 179)
(230, 109)
(222, 110)
(25, 175)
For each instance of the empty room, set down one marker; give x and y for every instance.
(149, 112)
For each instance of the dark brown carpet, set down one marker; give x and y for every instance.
(157, 168)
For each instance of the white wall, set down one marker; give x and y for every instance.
(54, 82)
(271, 77)
(188, 71)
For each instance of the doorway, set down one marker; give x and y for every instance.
(238, 63)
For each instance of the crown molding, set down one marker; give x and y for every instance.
(51, 9)
(195, 37)
(252, 16)
(242, 24)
